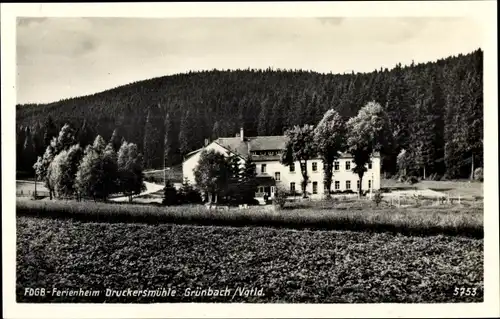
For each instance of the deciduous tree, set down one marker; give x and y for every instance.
(130, 170)
(300, 147)
(367, 133)
(329, 136)
(42, 166)
(66, 138)
(212, 173)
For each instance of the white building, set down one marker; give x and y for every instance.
(265, 152)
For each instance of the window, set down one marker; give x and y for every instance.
(337, 185)
(369, 184)
(292, 167)
(261, 189)
(277, 176)
(347, 184)
(315, 166)
(347, 165)
(315, 187)
(357, 184)
(263, 168)
(292, 187)
(337, 166)
(370, 165)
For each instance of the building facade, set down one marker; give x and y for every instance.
(265, 152)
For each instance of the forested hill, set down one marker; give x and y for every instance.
(436, 109)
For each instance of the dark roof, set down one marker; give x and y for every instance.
(264, 143)
(256, 143)
(249, 144)
(234, 144)
(265, 181)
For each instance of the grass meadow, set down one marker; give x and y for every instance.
(464, 188)
(349, 215)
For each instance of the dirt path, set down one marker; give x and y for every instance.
(150, 188)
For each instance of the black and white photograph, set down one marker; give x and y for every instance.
(262, 159)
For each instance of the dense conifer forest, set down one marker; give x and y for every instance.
(435, 110)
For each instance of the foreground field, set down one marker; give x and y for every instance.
(345, 215)
(288, 265)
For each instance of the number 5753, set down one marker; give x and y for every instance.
(462, 291)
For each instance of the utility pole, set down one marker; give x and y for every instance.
(472, 169)
(164, 169)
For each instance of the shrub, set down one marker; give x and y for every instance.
(280, 198)
(478, 174)
(170, 196)
(253, 202)
(347, 191)
(188, 194)
(412, 180)
(377, 197)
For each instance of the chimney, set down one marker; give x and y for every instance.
(241, 134)
(206, 142)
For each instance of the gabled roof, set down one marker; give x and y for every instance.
(188, 155)
(235, 145)
(264, 143)
(255, 143)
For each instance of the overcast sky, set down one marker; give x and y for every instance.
(65, 57)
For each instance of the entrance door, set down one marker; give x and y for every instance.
(267, 190)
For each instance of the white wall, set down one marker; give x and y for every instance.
(287, 177)
(190, 164)
(342, 175)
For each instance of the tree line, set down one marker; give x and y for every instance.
(435, 111)
(94, 172)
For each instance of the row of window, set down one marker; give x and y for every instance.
(337, 186)
(266, 153)
(263, 167)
